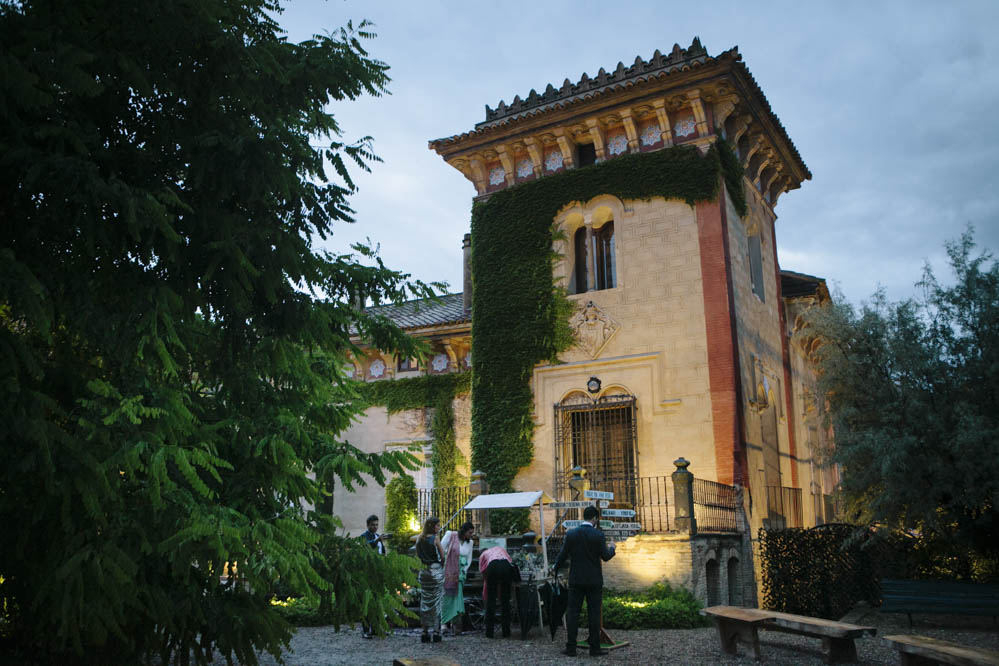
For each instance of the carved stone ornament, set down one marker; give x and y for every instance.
(594, 328)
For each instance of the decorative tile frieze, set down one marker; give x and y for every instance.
(617, 144)
(377, 369)
(497, 176)
(651, 135)
(553, 161)
(685, 127)
(439, 363)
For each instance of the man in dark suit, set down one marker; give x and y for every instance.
(586, 549)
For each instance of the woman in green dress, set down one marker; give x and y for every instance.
(458, 547)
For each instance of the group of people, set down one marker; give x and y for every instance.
(446, 563)
(442, 579)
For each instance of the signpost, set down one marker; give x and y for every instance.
(603, 504)
(598, 494)
(580, 504)
(620, 526)
(606, 524)
(618, 513)
(571, 524)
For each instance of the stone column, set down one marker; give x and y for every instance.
(591, 266)
(683, 498)
(479, 486)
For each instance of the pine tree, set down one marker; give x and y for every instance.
(171, 335)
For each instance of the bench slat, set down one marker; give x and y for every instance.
(951, 653)
(817, 626)
(751, 615)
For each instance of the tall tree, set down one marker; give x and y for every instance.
(912, 390)
(171, 336)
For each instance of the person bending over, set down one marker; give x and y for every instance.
(498, 573)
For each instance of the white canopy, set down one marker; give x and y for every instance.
(508, 500)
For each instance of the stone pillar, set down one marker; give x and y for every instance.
(683, 498)
(479, 486)
(591, 266)
(466, 264)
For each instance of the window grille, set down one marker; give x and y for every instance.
(600, 436)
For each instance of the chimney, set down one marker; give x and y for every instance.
(466, 264)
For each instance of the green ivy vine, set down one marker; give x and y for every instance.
(520, 315)
(437, 392)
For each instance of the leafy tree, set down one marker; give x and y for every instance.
(171, 337)
(912, 390)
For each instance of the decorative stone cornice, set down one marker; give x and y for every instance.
(687, 95)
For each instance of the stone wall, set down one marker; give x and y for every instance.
(715, 567)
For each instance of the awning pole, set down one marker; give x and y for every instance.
(544, 539)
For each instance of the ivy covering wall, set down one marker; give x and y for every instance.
(520, 316)
(437, 392)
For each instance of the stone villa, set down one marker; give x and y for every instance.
(684, 321)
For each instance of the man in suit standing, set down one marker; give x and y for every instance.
(586, 549)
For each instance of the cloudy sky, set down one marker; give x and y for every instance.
(892, 105)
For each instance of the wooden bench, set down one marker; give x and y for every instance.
(941, 597)
(742, 624)
(920, 650)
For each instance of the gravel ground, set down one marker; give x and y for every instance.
(321, 646)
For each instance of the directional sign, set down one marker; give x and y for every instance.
(598, 494)
(569, 524)
(624, 526)
(618, 513)
(582, 504)
(603, 504)
(617, 534)
(606, 524)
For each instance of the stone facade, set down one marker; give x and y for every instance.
(688, 317)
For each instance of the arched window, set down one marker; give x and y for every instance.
(579, 272)
(602, 437)
(603, 257)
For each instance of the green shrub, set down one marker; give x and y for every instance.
(659, 607)
(300, 611)
(401, 500)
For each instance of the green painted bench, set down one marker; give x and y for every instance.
(923, 650)
(940, 597)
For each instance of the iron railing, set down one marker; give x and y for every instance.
(443, 503)
(783, 508)
(715, 506)
(649, 496)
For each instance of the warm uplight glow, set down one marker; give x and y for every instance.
(414, 523)
(635, 604)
